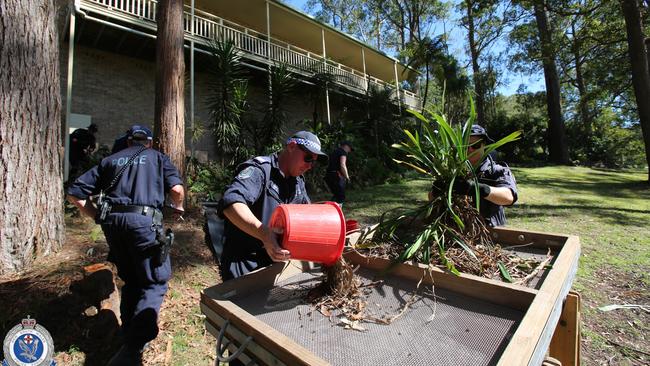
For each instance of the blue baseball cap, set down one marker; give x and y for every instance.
(310, 142)
(480, 131)
(138, 132)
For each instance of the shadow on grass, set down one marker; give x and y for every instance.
(613, 215)
(599, 184)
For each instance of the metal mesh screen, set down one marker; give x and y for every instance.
(463, 331)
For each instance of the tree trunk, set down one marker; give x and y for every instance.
(169, 120)
(476, 69)
(31, 216)
(557, 145)
(585, 115)
(640, 74)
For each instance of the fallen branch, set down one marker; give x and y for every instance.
(537, 269)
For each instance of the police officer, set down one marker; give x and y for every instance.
(496, 184)
(82, 144)
(121, 142)
(134, 182)
(337, 171)
(261, 184)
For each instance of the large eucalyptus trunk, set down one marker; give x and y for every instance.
(476, 70)
(31, 181)
(169, 127)
(585, 114)
(557, 144)
(640, 74)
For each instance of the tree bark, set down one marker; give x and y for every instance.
(585, 115)
(476, 69)
(557, 145)
(169, 127)
(640, 74)
(31, 216)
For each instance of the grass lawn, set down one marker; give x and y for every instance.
(608, 210)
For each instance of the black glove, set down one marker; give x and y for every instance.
(467, 188)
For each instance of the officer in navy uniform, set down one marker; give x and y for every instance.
(496, 183)
(121, 142)
(131, 227)
(82, 144)
(337, 171)
(261, 184)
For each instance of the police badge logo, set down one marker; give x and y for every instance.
(246, 173)
(28, 344)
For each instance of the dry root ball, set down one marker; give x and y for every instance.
(339, 279)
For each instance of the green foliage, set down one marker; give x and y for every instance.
(96, 233)
(265, 133)
(612, 144)
(524, 112)
(227, 99)
(439, 153)
(206, 182)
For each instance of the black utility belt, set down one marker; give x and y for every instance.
(142, 210)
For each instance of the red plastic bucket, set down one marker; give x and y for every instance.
(313, 232)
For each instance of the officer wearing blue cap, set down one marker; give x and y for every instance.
(337, 171)
(497, 185)
(133, 183)
(261, 184)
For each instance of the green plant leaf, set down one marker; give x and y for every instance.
(443, 258)
(504, 272)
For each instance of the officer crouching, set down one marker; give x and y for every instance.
(131, 185)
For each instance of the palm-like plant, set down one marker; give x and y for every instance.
(439, 152)
(267, 131)
(227, 101)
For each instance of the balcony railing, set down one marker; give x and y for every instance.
(253, 44)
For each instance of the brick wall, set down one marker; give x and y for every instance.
(118, 91)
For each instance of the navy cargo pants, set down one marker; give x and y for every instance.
(336, 184)
(131, 238)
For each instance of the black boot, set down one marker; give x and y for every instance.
(127, 356)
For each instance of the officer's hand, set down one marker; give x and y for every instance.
(468, 187)
(273, 249)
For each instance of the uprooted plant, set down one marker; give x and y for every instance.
(448, 229)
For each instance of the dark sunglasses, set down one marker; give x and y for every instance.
(476, 145)
(309, 157)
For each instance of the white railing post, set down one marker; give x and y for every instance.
(399, 98)
(327, 92)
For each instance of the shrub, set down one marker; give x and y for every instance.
(206, 182)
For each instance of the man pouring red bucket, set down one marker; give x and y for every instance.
(266, 198)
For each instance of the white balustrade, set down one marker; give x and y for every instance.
(209, 27)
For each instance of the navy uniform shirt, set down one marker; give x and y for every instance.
(261, 186)
(496, 175)
(335, 159)
(143, 183)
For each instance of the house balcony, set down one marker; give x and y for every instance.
(254, 45)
